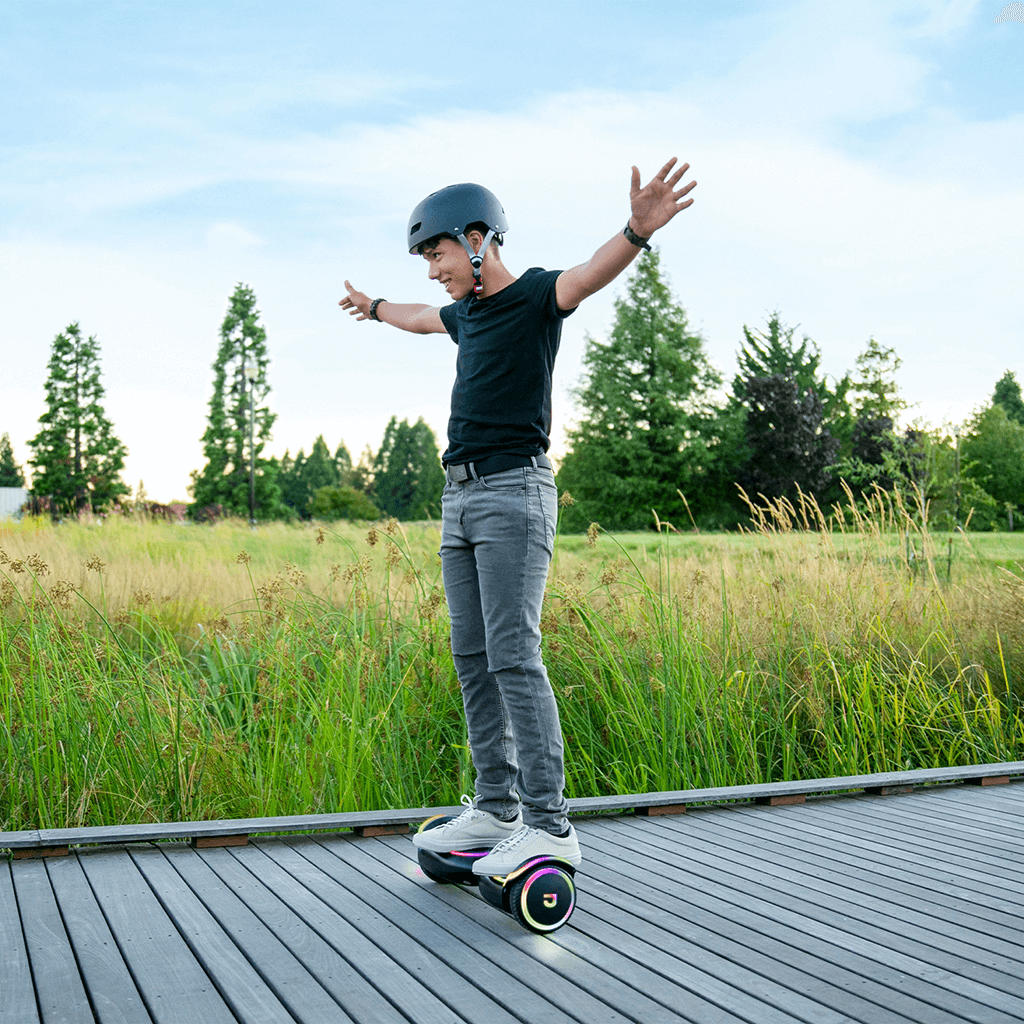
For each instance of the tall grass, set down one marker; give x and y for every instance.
(154, 672)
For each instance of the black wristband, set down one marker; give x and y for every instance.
(373, 309)
(634, 239)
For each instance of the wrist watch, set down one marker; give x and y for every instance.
(634, 239)
(373, 309)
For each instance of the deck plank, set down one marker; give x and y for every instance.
(216, 948)
(594, 993)
(755, 933)
(59, 988)
(315, 902)
(349, 864)
(568, 1000)
(891, 940)
(977, 949)
(932, 864)
(926, 880)
(301, 858)
(112, 991)
(917, 887)
(631, 988)
(17, 993)
(173, 985)
(276, 901)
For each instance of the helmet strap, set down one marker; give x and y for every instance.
(476, 258)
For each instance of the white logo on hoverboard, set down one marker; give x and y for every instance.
(550, 899)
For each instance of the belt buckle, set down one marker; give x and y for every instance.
(459, 474)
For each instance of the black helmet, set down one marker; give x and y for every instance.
(451, 210)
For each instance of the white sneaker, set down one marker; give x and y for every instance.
(524, 845)
(471, 830)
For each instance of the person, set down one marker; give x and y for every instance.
(499, 504)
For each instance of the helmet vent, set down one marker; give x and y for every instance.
(416, 227)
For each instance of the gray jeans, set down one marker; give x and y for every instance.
(497, 537)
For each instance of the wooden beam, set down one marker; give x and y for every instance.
(397, 829)
(656, 809)
(31, 852)
(990, 780)
(212, 842)
(782, 801)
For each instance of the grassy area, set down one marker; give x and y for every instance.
(153, 671)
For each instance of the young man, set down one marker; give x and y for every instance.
(499, 504)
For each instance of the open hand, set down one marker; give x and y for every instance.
(357, 304)
(658, 202)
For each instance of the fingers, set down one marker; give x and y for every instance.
(688, 187)
(664, 172)
(677, 177)
(634, 184)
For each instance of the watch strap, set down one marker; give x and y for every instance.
(634, 239)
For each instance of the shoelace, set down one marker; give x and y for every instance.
(468, 813)
(519, 836)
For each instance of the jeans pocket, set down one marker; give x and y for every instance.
(509, 480)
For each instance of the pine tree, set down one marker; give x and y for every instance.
(648, 428)
(872, 454)
(408, 478)
(343, 464)
(1007, 394)
(774, 351)
(10, 472)
(77, 458)
(879, 394)
(224, 480)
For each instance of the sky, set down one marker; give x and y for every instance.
(858, 169)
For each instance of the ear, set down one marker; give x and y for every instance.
(475, 239)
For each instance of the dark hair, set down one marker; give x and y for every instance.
(479, 225)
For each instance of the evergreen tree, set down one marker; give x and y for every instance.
(361, 474)
(874, 453)
(775, 351)
(300, 478)
(10, 472)
(77, 458)
(320, 469)
(1007, 395)
(649, 428)
(876, 393)
(224, 480)
(343, 464)
(408, 478)
(771, 352)
(290, 482)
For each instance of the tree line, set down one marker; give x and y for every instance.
(660, 436)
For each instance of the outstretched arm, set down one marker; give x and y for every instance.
(652, 208)
(414, 317)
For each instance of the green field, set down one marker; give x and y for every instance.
(152, 671)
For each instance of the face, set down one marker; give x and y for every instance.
(449, 265)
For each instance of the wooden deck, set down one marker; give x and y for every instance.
(866, 907)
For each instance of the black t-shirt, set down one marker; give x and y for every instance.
(501, 401)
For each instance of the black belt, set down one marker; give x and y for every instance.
(494, 464)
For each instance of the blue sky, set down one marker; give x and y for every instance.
(858, 169)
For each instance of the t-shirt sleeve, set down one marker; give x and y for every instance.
(450, 320)
(544, 284)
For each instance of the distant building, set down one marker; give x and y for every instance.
(11, 500)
